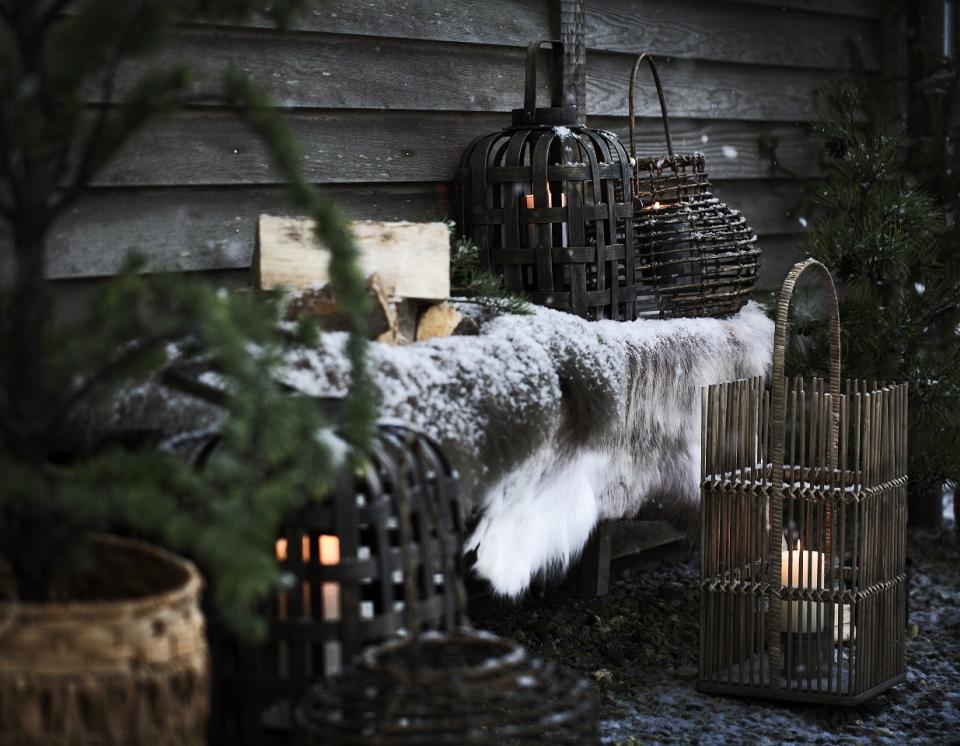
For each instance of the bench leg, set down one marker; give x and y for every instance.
(593, 572)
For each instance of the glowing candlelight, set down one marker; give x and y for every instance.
(801, 568)
(530, 202)
(330, 555)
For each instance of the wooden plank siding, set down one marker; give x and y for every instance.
(385, 95)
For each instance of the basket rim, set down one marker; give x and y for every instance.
(186, 590)
(511, 653)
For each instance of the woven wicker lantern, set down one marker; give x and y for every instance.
(344, 575)
(459, 687)
(695, 255)
(547, 203)
(803, 563)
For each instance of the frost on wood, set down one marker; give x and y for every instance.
(555, 422)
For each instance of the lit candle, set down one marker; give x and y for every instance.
(529, 202)
(330, 555)
(800, 568)
(283, 653)
(531, 228)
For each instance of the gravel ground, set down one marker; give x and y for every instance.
(639, 646)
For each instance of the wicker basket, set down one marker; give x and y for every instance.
(462, 687)
(126, 671)
(804, 530)
(695, 256)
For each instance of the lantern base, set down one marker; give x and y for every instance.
(796, 695)
(765, 691)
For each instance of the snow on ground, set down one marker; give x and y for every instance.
(639, 646)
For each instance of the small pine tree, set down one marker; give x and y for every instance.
(140, 327)
(881, 237)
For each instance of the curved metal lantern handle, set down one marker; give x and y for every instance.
(663, 104)
(779, 405)
(530, 82)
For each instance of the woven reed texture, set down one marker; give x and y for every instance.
(547, 203)
(332, 610)
(461, 687)
(803, 536)
(472, 688)
(695, 255)
(113, 672)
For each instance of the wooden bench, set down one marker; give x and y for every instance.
(615, 539)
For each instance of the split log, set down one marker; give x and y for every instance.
(322, 303)
(413, 258)
(439, 320)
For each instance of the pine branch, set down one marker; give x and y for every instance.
(134, 352)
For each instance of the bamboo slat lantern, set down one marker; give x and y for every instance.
(803, 530)
(695, 255)
(547, 203)
(458, 687)
(344, 583)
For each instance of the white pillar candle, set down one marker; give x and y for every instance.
(800, 568)
(330, 555)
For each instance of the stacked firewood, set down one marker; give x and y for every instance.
(407, 267)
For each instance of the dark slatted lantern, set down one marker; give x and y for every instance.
(695, 255)
(547, 203)
(803, 532)
(343, 571)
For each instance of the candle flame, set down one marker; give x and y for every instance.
(329, 549)
(281, 550)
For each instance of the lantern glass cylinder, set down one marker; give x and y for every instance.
(803, 535)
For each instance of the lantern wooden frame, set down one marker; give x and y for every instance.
(547, 203)
(827, 626)
(695, 255)
(331, 611)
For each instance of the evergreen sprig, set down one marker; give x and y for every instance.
(484, 288)
(274, 446)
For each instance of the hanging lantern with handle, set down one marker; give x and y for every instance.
(546, 201)
(695, 255)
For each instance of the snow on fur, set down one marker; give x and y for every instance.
(555, 423)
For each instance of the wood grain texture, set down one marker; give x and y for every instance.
(854, 8)
(412, 258)
(332, 71)
(729, 32)
(187, 229)
(725, 31)
(708, 90)
(505, 22)
(213, 148)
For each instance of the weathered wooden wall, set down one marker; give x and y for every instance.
(384, 96)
